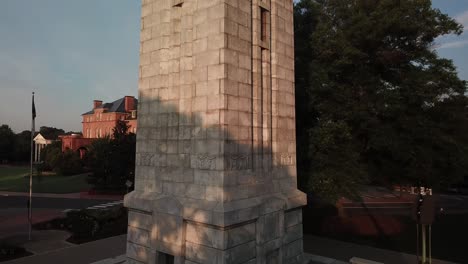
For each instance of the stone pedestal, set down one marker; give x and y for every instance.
(216, 173)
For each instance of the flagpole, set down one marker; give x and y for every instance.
(31, 172)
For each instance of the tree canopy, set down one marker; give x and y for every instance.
(51, 132)
(375, 102)
(7, 139)
(112, 160)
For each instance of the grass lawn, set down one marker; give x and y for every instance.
(15, 179)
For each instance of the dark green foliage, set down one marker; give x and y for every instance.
(64, 163)
(89, 225)
(17, 147)
(374, 100)
(69, 163)
(112, 160)
(51, 132)
(81, 224)
(50, 155)
(7, 143)
(22, 149)
(336, 170)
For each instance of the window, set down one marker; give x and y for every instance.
(263, 24)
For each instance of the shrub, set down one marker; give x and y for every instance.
(69, 163)
(81, 224)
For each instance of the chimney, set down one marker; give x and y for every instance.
(97, 103)
(129, 103)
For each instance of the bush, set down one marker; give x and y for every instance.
(81, 224)
(112, 160)
(90, 225)
(51, 155)
(69, 163)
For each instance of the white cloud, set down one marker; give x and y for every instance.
(463, 19)
(454, 44)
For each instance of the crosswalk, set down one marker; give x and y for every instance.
(104, 206)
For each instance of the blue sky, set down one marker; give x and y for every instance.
(69, 52)
(73, 51)
(455, 47)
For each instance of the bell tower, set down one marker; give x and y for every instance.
(216, 152)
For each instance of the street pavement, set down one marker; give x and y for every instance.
(384, 201)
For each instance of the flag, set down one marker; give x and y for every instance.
(33, 108)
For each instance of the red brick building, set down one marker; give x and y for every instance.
(101, 120)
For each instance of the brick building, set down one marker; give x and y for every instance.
(101, 120)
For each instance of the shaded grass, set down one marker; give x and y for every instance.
(16, 179)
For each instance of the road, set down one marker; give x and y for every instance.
(10, 202)
(451, 203)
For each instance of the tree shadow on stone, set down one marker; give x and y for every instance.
(201, 174)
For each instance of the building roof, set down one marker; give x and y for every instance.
(116, 106)
(38, 137)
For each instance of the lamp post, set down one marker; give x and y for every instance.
(424, 214)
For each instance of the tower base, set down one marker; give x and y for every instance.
(163, 230)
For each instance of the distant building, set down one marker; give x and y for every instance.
(101, 120)
(40, 142)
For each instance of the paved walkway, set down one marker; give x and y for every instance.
(79, 254)
(41, 241)
(14, 221)
(345, 251)
(319, 251)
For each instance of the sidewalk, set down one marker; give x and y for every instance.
(79, 254)
(345, 251)
(14, 221)
(80, 195)
(319, 251)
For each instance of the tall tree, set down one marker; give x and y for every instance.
(22, 149)
(112, 160)
(7, 143)
(371, 67)
(51, 132)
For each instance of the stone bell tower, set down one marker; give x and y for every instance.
(216, 151)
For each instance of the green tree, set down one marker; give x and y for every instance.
(7, 143)
(112, 160)
(22, 149)
(51, 132)
(69, 163)
(371, 67)
(50, 155)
